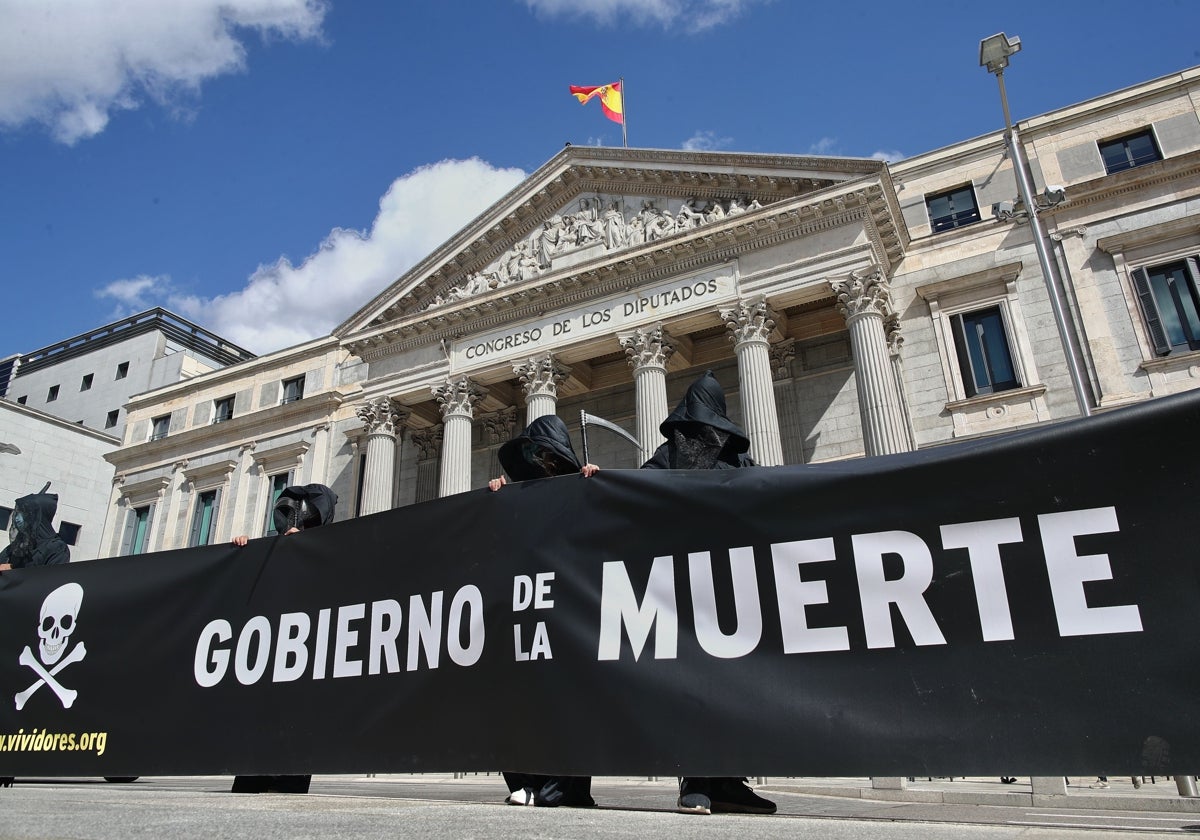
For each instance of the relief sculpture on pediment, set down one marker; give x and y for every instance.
(594, 225)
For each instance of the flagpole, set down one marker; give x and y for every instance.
(624, 112)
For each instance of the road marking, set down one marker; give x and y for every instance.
(1192, 819)
(1125, 826)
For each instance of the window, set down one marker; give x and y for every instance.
(1129, 151)
(160, 426)
(205, 518)
(293, 389)
(68, 532)
(983, 355)
(137, 531)
(122, 370)
(52, 394)
(223, 410)
(952, 209)
(111, 419)
(1169, 296)
(86, 384)
(5, 516)
(278, 482)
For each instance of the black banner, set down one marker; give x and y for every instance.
(1020, 604)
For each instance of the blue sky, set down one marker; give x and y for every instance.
(265, 167)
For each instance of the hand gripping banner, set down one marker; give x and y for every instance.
(1022, 603)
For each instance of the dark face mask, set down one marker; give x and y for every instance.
(546, 461)
(17, 532)
(696, 446)
(297, 511)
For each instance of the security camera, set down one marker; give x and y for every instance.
(1054, 194)
(1003, 211)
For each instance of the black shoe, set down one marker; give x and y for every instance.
(578, 802)
(733, 796)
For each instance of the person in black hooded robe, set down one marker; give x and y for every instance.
(297, 509)
(701, 437)
(543, 450)
(32, 540)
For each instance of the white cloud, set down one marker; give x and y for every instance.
(70, 64)
(692, 15)
(706, 141)
(824, 146)
(136, 294)
(888, 157)
(285, 304)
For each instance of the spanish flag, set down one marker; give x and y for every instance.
(609, 96)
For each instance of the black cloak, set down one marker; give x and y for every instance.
(702, 406)
(32, 539)
(304, 507)
(543, 449)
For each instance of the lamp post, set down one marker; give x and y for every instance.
(993, 54)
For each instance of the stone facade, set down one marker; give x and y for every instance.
(88, 378)
(64, 409)
(849, 307)
(36, 447)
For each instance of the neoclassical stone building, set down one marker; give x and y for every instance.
(849, 307)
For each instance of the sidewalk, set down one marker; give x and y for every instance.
(1159, 795)
(1120, 795)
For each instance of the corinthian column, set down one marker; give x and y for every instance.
(648, 349)
(539, 377)
(865, 300)
(750, 323)
(457, 399)
(384, 424)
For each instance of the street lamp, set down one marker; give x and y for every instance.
(993, 54)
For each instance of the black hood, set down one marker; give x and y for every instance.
(704, 403)
(37, 510)
(549, 434)
(318, 500)
(34, 542)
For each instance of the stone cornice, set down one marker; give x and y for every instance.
(235, 373)
(1006, 273)
(209, 475)
(285, 455)
(142, 491)
(1137, 180)
(243, 426)
(1151, 234)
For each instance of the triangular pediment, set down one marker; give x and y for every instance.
(588, 206)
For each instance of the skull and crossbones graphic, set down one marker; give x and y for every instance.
(56, 622)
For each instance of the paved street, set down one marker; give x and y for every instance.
(446, 807)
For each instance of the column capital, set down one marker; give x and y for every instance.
(540, 375)
(458, 397)
(382, 416)
(749, 320)
(650, 346)
(863, 293)
(428, 442)
(782, 355)
(891, 329)
(499, 426)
